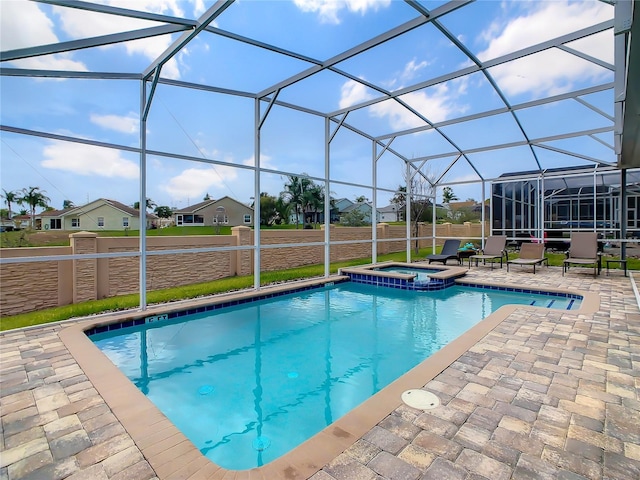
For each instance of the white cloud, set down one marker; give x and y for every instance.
(16, 33)
(412, 68)
(198, 7)
(437, 104)
(60, 61)
(328, 10)
(195, 182)
(88, 160)
(546, 73)
(352, 93)
(553, 71)
(80, 24)
(119, 123)
(265, 162)
(600, 45)
(433, 107)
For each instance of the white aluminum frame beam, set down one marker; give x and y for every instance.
(521, 143)
(363, 47)
(205, 19)
(62, 47)
(120, 12)
(585, 32)
(498, 111)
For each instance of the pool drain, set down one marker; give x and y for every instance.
(205, 390)
(292, 374)
(420, 399)
(261, 443)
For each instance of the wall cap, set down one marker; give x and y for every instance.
(83, 235)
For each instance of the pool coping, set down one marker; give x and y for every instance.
(172, 455)
(445, 272)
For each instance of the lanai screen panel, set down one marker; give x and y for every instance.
(459, 78)
(181, 100)
(564, 201)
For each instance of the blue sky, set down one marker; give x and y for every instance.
(221, 127)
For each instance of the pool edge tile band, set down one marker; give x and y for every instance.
(432, 285)
(117, 325)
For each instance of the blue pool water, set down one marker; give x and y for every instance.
(246, 384)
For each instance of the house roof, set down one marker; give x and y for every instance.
(94, 204)
(207, 203)
(125, 208)
(356, 206)
(56, 213)
(195, 207)
(389, 208)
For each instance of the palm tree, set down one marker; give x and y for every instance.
(313, 200)
(283, 209)
(67, 204)
(9, 198)
(33, 197)
(294, 193)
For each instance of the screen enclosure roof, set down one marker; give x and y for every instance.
(467, 90)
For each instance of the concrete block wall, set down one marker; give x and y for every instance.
(33, 286)
(244, 258)
(290, 257)
(121, 275)
(29, 287)
(85, 272)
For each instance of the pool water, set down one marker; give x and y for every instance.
(247, 384)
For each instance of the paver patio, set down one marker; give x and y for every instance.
(547, 394)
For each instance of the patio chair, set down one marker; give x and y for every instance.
(583, 250)
(493, 249)
(530, 254)
(449, 250)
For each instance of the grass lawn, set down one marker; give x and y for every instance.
(49, 238)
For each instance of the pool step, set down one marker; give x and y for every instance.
(549, 304)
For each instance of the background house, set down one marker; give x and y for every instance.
(101, 214)
(389, 214)
(343, 206)
(16, 222)
(363, 208)
(225, 211)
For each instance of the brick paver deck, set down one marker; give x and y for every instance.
(547, 394)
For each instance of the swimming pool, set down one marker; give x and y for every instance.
(248, 383)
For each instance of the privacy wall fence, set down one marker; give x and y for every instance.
(32, 286)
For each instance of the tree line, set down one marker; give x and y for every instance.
(31, 197)
(301, 197)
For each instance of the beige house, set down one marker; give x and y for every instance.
(225, 211)
(101, 214)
